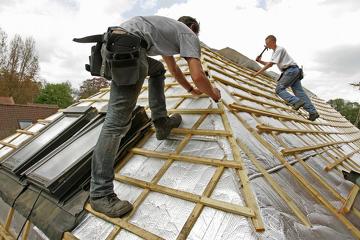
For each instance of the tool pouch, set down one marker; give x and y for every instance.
(301, 74)
(115, 55)
(122, 55)
(95, 60)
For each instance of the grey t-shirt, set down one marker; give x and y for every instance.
(164, 36)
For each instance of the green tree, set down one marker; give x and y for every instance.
(349, 110)
(91, 86)
(56, 93)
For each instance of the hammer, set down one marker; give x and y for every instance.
(265, 49)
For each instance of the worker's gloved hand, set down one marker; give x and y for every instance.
(217, 94)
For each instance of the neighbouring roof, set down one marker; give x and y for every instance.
(248, 167)
(12, 114)
(6, 100)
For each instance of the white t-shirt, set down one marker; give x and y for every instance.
(282, 58)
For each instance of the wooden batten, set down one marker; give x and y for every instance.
(350, 199)
(186, 158)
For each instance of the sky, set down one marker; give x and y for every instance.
(321, 35)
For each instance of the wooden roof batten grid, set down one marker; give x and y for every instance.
(200, 201)
(300, 178)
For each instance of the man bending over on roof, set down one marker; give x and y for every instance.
(290, 77)
(159, 36)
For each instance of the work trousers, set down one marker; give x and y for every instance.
(117, 122)
(291, 77)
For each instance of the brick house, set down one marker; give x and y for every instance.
(18, 116)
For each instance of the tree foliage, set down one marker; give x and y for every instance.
(58, 93)
(91, 86)
(349, 110)
(19, 66)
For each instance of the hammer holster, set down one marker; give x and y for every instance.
(115, 54)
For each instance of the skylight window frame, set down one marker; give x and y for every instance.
(83, 115)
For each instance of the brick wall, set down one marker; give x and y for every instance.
(10, 114)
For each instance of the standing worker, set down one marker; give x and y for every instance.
(290, 77)
(156, 35)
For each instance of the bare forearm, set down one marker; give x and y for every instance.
(180, 78)
(268, 65)
(262, 62)
(204, 85)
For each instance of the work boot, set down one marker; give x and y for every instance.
(313, 116)
(298, 105)
(164, 125)
(111, 206)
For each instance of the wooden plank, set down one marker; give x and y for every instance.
(337, 162)
(194, 111)
(8, 144)
(191, 159)
(164, 168)
(181, 96)
(220, 205)
(227, 207)
(25, 132)
(312, 172)
(44, 121)
(9, 218)
(247, 89)
(125, 225)
(262, 102)
(204, 132)
(350, 199)
(349, 161)
(267, 113)
(302, 180)
(290, 151)
(190, 222)
(5, 235)
(239, 68)
(277, 188)
(242, 173)
(238, 107)
(113, 233)
(26, 231)
(248, 82)
(265, 128)
(69, 236)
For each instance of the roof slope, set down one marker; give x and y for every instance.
(244, 168)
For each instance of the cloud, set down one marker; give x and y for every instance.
(6, 3)
(344, 5)
(318, 34)
(311, 31)
(54, 24)
(341, 60)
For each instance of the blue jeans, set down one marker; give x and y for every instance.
(117, 122)
(291, 78)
